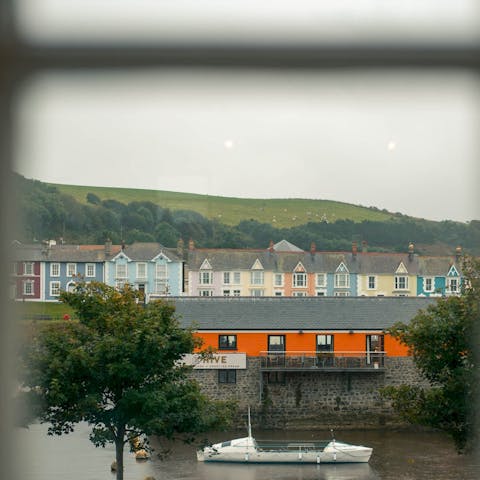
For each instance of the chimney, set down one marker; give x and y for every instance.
(191, 245)
(108, 246)
(364, 246)
(458, 253)
(180, 247)
(313, 249)
(411, 250)
(123, 245)
(270, 247)
(354, 249)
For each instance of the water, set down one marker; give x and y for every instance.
(396, 456)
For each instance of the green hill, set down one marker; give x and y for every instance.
(279, 213)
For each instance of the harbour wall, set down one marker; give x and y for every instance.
(313, 399)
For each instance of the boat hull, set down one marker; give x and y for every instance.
(334, 452)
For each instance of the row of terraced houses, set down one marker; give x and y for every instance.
(40, 271)
(300, 336)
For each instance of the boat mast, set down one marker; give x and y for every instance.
(249, 423)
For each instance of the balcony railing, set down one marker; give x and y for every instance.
(325, 361)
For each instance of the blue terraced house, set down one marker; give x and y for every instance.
(66, 264)
(439, 276)
(150, 267)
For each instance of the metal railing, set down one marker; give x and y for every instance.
(310, 360)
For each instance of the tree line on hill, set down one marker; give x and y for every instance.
(45, 213)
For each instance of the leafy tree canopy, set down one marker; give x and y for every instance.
(118, 369)
(444, 343)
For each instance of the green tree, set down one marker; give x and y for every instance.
(443, 340)
(118, 369)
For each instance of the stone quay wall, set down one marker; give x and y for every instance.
(313, 399)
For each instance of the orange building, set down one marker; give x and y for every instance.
(350, 332)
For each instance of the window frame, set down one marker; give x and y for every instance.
(399, 280)
(205, 277)
(54, 288)
(227, 345)
(71, 267)
(93, 266)
(30, 270)
(227, 376)
(53, 267)
(257, 277)
(31, 284)
(299, 280)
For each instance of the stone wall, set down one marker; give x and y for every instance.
(313, 399)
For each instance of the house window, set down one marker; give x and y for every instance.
(401, 282)
(278, 293)
(90, 270)
(256, 277)
(278, 279)
(236, 293)
(206, 278)
(28, 287)
(161, 271)
(257, 292)
(54, 289)
(276, 343)
(13, 268)
(342, 294)
(342, 280)
(205, 293)
(141, 270)
(227, 376)
(121, 270)
(161, 283)
(28, 268)
(54, 269)
(320, 293)
(324, 343)
(452, 285)
(321, 280)
(299, 280)
(227, 342)
(428, 284)
(231, 278)
(372, 282)
(226, 293)
(299, 294)
(71, 269)
(161, 287)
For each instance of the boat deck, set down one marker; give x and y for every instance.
(285, 446)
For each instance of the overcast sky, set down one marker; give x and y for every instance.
(401, 140)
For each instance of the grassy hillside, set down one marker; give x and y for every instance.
(230, 211)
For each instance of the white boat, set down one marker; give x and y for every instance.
(249, 450)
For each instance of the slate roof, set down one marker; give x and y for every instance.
(297, 313)
(145, 251)
(26, 253)
(386, 263)
(316, 262)
(437, 266)
(78, 253)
